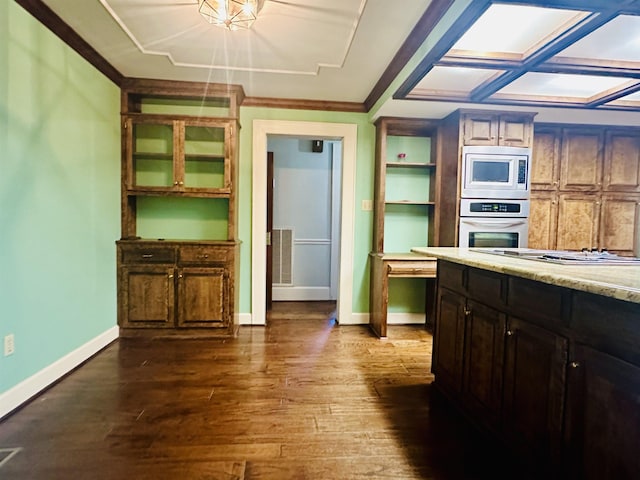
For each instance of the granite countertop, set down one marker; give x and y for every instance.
(618, 281)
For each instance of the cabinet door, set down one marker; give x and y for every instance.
(203, 297)
(483, 362)
(622, 161)
(205, 156)
(545, 164)
(603, 417)
(480, 128)
(448, 340)
(581, 161)
(146, 294)
(620, 223)
(515, 130)
(150, 145)
(578, 221)
(534, 387)
(543, 220)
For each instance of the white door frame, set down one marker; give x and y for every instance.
(346, 132)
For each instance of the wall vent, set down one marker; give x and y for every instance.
(282, 244)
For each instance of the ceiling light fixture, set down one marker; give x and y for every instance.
(230, 14)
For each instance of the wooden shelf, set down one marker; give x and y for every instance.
(408, 202)
(410, 165)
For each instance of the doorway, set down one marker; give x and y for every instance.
(347, 133)
(303, 211)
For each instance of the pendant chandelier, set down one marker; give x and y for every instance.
(230, 14)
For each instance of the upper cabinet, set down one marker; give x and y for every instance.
(178, 156)
(497, 128)
(622, 161)
(582, 155)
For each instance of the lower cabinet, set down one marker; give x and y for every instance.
(449, 340)
(554, 374)
(533, 391)
(483, 362)
(176, 285)
(603, 417)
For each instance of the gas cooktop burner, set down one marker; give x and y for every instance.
(563, 257)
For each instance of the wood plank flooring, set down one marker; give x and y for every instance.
(302, 398)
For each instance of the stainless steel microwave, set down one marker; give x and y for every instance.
(495, 172)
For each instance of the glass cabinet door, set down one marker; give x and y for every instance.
(152, 155)
(206, 157)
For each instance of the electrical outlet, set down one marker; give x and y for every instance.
(9, 345)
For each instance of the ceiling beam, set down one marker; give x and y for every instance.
(432, 15)
(53, 22)
(552, 48)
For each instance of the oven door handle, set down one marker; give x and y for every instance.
(494, 223)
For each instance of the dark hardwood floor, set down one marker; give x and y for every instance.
(301, 398)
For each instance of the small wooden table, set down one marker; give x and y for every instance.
(390, 265)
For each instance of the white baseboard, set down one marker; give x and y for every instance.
(244, 319)
(16, 396)
(301, 294)
(405, 318)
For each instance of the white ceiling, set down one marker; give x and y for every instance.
(325, 50)
(331, 50)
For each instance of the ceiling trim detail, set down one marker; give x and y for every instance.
(213, 66)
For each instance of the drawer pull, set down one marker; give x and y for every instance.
(171, 275)
(467, 311)
(574, 364)
(203, 256)
(509, 333)
(147, 255)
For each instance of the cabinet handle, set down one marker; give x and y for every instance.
(574, 364)
(147, 255)
(509, 333)
(171, 275)
(175, 183)
(179, 275)
(180, 183)
(467, 311)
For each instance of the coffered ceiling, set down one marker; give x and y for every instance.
(406, 57)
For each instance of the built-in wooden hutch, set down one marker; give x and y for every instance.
(177, 259)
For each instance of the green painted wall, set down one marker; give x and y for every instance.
(59, 197)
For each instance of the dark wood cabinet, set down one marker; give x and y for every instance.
(534, 393)
(553, 372)
(603, 417)
(147, 296)
(179, 181)
(176, 284)
(448, 340)
(483, 362)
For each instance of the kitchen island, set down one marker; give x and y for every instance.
(546, 357)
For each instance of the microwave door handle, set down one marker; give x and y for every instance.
(495, 223)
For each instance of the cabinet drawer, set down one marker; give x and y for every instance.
(607, 324)
(140, 254)
(412, 269)
(198, 254)
(486, 287)
(451, 275)
(535, 301)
